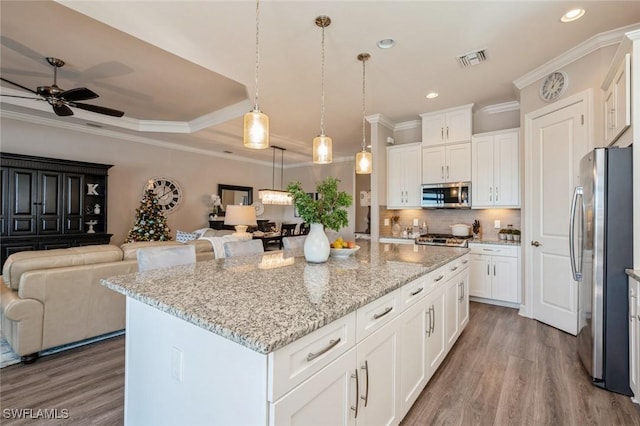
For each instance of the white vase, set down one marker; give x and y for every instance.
(316, 245)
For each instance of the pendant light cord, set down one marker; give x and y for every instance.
(364, 146)
(322, 98)
(257, 53)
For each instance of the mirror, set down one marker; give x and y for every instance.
(234, 194)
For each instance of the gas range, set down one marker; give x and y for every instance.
(442, 240)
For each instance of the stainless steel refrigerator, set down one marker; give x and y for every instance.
(601, 247)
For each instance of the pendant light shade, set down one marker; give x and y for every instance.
(256, 123)
(322, 149)
(364, 161)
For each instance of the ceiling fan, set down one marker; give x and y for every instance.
(61, 99)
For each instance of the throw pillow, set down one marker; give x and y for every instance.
(183, 237)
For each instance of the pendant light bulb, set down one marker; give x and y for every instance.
(364, 160)
(256, 123)
(322, 145)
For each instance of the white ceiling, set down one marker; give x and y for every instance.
(187, 68)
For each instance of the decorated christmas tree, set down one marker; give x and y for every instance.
(150, 223)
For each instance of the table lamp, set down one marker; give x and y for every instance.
(241, 217)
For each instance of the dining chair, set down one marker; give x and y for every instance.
(304, 228)
(287, 230)
(294, 242)
(150, 258)
(243, 248)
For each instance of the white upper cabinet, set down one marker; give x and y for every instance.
(495, 169)
(617, 100)
(447, 163)
(404, 169)
(447, 126)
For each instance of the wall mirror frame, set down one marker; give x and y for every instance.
(234, 194)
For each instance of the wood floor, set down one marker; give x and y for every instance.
(504, 370)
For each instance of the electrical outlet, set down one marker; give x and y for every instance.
(386, 222)
(496, 224)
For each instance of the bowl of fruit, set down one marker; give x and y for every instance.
(342, 248)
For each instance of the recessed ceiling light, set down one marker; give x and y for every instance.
(386, 43)
(431, 95)
(572, 15)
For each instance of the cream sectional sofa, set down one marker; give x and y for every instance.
(50, 298)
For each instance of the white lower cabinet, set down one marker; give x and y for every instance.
(378, 379)
(495, 272)
(634, 339)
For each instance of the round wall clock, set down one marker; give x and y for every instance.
(553, 86)
(259, 207)
(168, 192)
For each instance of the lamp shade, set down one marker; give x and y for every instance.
(322, 150)
(363, 163)
(240, 215)
(256, 130)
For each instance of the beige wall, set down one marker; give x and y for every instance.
(485, 122)
(134, 163)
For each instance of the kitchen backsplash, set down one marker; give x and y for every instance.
(438, 221)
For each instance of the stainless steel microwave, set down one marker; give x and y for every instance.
(446, 196)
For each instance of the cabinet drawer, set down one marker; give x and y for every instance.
(456, 266)
(376, 314)
(294, 363)
(412, 292)
(436, 278)
(494, 250)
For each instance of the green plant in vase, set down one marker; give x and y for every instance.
(329, 210)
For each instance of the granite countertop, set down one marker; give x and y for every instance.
(633, 273)
(253, 302)
(501, 242)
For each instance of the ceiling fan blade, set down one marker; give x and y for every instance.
(78, 94)
(62, 110)
(98, 109)
(18, 85)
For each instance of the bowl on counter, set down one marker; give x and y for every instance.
(343, 252)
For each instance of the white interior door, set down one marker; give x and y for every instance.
(558, 140)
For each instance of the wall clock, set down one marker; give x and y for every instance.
(168, 192)
(553, 86)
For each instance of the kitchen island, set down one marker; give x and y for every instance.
(226, 341)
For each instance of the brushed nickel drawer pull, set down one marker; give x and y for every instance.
(355, 376)
(417, 291)
(332, 343)
(386, 311)
(455, 268)
(439, 278)
(365, 398)
(464, 262)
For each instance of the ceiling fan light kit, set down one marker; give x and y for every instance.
(256, 123)
(61, 100)
(363, 158)
(322, 144)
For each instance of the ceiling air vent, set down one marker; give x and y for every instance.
(473, 58)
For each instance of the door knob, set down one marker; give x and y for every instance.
(535, 243)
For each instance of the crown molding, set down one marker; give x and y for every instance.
(503, 107)
(380, 119)
(413, 124)
(588, 46)
(122, 136)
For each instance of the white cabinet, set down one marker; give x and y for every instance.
(634, 338)
(495, 169)
(495, 272)
(452, 325)
(404, 170)
(436, 344)
(447, 126)
(463, 301)
(448, 163)
(326, 398)
(617, 100)
(413, 354)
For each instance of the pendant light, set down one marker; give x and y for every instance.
(256, 123)
(363, 158)
(275, 196)
(322, 143)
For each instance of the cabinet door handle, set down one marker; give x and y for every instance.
(442, 172)
(355, 376)
(447, 172)
(447, 132)
(631, 308)
(442, 133)
(365, 398)
(417, 291)
(488, 273)
(497, 195)
(385, 312)
(433, 321)
(428, 328)
(490, 194)
(439, 278)
(494, 270)
(460, 290)
(331, 345)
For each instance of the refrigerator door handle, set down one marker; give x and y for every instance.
(577, 275)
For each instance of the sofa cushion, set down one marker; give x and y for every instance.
(24, 261)
(130, 250)
(183, 237)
